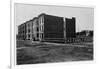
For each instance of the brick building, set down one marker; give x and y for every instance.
(22, 31)
(54, 28)
(49, 28)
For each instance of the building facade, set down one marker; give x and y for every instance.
(41, 26)
(29, 30)
(35, 26)
(22, 31)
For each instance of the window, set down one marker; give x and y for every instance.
(37, 29)
(29, 36)
(28, 25)
(29, 30)
(42, 35)
(42, 27)
(42, 20)
(37, 35)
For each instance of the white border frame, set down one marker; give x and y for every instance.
(13, 35)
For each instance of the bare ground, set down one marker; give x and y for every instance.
(53, 52)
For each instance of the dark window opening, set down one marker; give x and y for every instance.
(29, 30)
(37, 29)
(37, 35)
(42, 35)
(29, 36)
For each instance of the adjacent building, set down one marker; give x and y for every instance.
(22, 31)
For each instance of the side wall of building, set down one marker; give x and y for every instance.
(53, 27)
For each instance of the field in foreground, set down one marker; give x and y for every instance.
(53, 52)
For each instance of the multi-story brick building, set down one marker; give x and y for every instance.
(54, 28)
(22, 31)
(49, 28)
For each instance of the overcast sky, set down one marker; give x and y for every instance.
(84, 15)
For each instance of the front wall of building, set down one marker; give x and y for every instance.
(35, 29)
(29, 30)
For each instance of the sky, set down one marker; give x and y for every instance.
(84, 15)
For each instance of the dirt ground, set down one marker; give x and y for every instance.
(42, 52)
